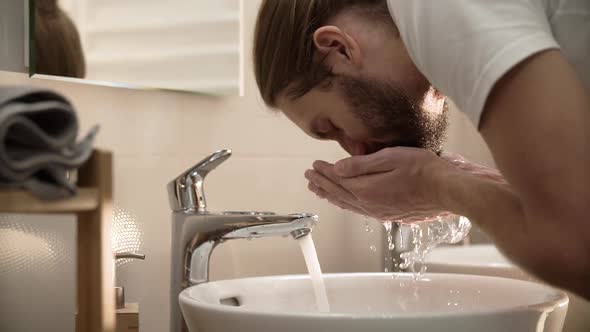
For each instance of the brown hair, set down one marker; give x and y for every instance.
(58, 49)
(283, 42)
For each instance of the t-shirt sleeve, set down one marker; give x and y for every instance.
(464, 47)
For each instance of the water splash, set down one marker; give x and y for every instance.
(390, 243)
(390, 247)
(368, 227)
(425, 236)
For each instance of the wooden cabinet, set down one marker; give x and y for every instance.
(93, 206)
(128, 318)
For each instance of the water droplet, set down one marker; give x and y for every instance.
(373, 248)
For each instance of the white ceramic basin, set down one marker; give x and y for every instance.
(375, 302)
(478, 259)
(487, 260)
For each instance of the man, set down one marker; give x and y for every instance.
(374, 76)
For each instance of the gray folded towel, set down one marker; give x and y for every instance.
(38, 130)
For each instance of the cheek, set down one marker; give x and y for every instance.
(353, 127)
(359, 132)
(417, 85)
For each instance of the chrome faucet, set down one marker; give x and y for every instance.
(196, 232)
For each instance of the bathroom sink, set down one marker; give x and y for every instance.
(477, 259)
(375, 302)
(487, 260)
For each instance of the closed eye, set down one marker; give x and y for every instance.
(320, 136)
(324, 129)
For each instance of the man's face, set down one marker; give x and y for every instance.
(366, 115)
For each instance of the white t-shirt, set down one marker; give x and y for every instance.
(464, 47)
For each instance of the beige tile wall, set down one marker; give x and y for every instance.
(156, 135)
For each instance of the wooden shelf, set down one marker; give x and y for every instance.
(93, 207)
(23, 202)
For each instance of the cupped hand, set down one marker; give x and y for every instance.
(397, 184)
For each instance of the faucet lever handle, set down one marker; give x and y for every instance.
(129, 255)
(186, 191)
(208, 164)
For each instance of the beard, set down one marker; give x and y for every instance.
(385, 110)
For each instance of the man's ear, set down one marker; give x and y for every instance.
(340, 50)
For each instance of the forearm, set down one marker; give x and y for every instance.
(486, 202)
(537, 130)
(532, 239)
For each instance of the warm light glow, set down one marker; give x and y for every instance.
(127, 236)
(25, 248)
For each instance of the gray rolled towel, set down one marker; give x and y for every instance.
(38, 131)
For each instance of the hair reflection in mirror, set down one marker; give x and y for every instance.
(57, 42)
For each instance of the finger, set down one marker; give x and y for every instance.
(339, 203)
(327, 170)
(345, 206)
(382, 161)
(361, 185)
(329, 186)
(317, 190)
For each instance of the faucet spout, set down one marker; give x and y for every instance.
(195, 236)
(199, 234)
(196, 232)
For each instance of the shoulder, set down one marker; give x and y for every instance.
(464, 47)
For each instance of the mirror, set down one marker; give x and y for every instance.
(182, 45)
